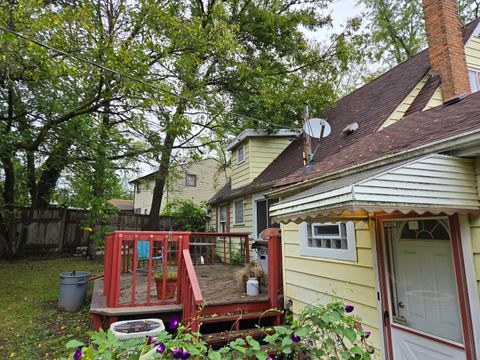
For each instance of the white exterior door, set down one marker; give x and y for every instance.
(423, 297)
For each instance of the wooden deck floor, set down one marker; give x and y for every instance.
(219, 286)
(217, 283)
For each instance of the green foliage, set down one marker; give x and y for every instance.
(187, 216)
(325, 331)
(237, 258)
(398, 29)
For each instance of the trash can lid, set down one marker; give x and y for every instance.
(75, 274)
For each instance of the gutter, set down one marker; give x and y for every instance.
(464, 139)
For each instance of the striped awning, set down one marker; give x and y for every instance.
(434, 184)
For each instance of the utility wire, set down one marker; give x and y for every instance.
(125, 75)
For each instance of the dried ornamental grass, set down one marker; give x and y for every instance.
(252, 269)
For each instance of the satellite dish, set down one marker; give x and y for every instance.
(313, 127)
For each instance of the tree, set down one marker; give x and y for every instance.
(47, 98)
(398, 31)
(236, 64)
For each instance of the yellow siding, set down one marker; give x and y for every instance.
(248, 216)
(310, 280)
(241, 171)
(472, 52)
(404, 105)
(475, 231)
(435, 100)
(263, 150)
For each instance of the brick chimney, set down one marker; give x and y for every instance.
(445, 46)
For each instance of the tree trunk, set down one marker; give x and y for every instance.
(53, 168)
(160, 180)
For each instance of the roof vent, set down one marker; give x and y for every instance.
(351, 128)
(455, 100)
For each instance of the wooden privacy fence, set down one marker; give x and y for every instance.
(59, 229)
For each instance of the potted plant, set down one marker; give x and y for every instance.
(171, 280)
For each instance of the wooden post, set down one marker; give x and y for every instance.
(62, 230)
(275, 282)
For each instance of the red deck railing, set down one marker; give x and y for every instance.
(225, 248)
(190, 292)
(132, 258)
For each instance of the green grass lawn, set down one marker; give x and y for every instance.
(31, 326)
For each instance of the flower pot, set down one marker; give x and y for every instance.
(170, 288)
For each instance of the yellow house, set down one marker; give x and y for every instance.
(241, 207)
(386, 215)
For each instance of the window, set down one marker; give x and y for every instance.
(223, 219)
(328, 240)
(145, 211)
(474, 76)
(191, 180)
(240, 154)
(138, 188)
(137, 211)
(239, 209)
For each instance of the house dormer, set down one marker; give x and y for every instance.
(253, 150)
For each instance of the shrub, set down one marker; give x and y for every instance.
(186, 215)
(326, 331)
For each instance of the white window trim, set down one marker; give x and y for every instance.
(220, 221)
(191, 176)
(349, 254)
(235, 213)
(477, 73)
(243, 152)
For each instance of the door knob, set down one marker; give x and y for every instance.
(401, 305)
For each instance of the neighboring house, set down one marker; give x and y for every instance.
(387, 217)
(236, 208)
(122, 204)
(196, 181)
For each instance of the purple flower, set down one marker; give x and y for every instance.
(177, 353)
(295, 338)
(150, 340)
(271, 357)
(78, 354)
(185, 355)
(370, 349)
(173, 323)
(160, 347)
(366, 334)
(349, 308)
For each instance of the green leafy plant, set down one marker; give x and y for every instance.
(171, 274)
(325, 331)
(237, 258)
(187, 215)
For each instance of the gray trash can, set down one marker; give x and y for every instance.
(73, 289)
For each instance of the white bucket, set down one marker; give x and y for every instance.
(253, 287)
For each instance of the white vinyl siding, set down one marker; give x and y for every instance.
(433, 182)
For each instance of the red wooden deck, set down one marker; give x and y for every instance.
(128, 287)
